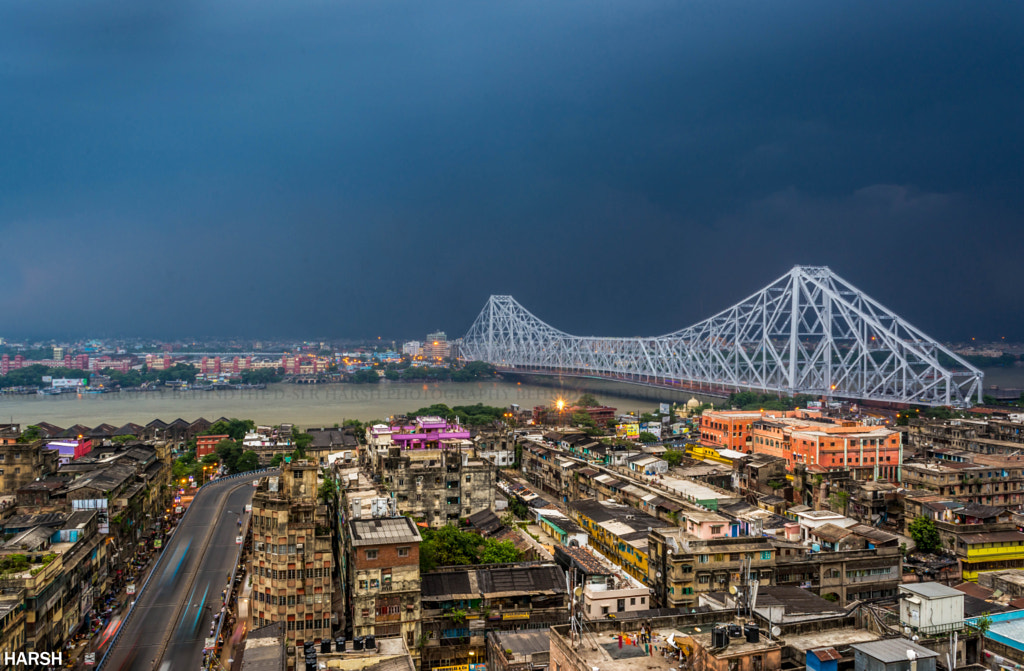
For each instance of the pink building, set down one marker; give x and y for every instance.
(705, 525)
(426, 433)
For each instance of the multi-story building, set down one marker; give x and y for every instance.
(618, 531)
(208, 444)
(12, 620)
(991, 436)
(436, 346)
(461, 604)
(438, 486)
(993, 551)
(733, 429)
(872, 451)
(291, 563)
(497, 447)
(22, 463)
(991, 480)
(57, 566)
(683, 566)
(853, 563)
(383, 562)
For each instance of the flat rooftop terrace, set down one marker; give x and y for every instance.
(602, 651)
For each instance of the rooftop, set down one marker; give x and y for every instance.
(931, 590)
(606, 654)
(384, 531)
(524, 643)
(893, 650)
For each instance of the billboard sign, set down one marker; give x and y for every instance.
(627, 431)
(652, 427)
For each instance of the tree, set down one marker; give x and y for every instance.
(839, 500)
(30, 434)
(249, 461)
(587, 401)
(235, 429)
(364, 376)
(673, 457)
(583, 419)
(925, 534)
(499, 552)
(229, 453)
(647, 437)
(302, 440)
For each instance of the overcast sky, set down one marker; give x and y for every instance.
(359, 168)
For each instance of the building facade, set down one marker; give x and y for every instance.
(291, 564)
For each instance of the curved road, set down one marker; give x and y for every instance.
(172, 617)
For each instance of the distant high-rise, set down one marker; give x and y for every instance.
(436, 346)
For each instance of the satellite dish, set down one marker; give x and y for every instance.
(911, 653)
(732, 589)
(578, 591)
(657, 574)
(776, 631)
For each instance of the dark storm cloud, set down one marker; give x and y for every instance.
(379, 168)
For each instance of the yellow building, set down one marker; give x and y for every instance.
(991, 551)
(618, 531)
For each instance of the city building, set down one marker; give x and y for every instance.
(462, 604)
(208, 444)
(436, 346)
(291, 565)
(894, 654)
(518, 650)
(732, 429)
(618, 531)
(869, 452)
(439, 485)
(931, 608)
(383, 563)
(22, 463)
(12, 620)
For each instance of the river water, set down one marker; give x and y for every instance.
(308, 405)
(323, 405)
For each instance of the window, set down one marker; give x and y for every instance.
(371, 554)
(702, 559)
(469, 478)
(403, 552)
(766, 555)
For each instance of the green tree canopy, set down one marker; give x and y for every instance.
(449, 546)
(587, 401)
(673, 457)
(249, 461)
(925, 534)
(647, 437)
(233, 428)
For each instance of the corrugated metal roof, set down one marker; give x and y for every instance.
(893, 650)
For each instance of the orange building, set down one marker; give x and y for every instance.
(873, 451)
(730, 429)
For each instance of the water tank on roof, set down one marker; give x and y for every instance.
(357, 643)
(370, 642)
(752, 632)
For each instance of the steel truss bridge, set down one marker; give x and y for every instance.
(808, 332)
